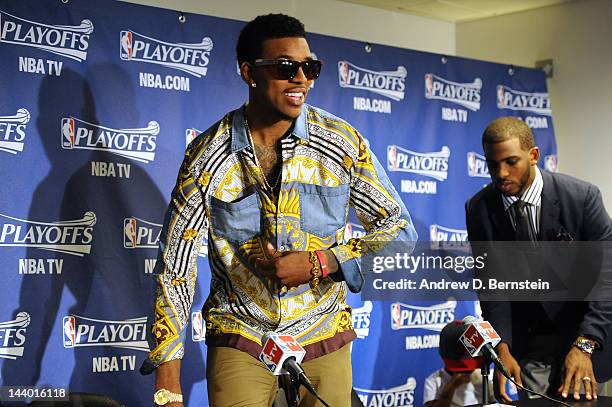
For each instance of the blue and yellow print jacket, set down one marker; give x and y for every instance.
(221, 191)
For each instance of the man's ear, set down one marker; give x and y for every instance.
(246, 72)
(534, 155)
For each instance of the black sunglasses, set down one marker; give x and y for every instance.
(286, 69)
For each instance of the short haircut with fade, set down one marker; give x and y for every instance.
(506, 128)
(266, 27)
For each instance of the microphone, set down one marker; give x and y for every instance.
(283, 353)
(480, 338)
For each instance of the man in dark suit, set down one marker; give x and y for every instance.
(549, 345)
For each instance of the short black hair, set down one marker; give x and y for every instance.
(266, 27)
(506, 128)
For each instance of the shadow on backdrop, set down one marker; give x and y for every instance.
(110, 284)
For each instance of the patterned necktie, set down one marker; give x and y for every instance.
(523, 230)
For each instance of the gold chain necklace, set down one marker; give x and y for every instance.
(280, 172)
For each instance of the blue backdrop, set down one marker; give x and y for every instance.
(98, 100)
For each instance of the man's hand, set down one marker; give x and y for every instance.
(457, 379)
(576, 369)
(448, 391)
(167, 376)
(513, 368)
(290, 268)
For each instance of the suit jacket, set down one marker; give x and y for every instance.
(572, 208)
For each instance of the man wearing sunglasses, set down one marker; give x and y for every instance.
(273, 180)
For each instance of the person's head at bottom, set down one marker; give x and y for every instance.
(454, 355)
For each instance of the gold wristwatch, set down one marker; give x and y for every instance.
(165, 396)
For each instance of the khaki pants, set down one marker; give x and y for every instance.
(236, 378)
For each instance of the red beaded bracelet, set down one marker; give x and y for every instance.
(323, 263)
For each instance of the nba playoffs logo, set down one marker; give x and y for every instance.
(442, 237)
(64, 40)
(508, 98)
(433, 165)
(140, 234)
(477, 165)
(462, 94)
(189, 58)
(12, 131)
(398, 396)
(434, 317)
(69, 236)
(550, 163)
(79, 331)
(439, 233)
(387, 83)
(138, 144)
(12, 336)
(198, 327)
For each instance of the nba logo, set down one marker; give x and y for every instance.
(467, 338)
(126, 45)
(129, 233)
(433, 233)
(501, 96)
(190, 135)
(392, 157)
(343, 72)
(550, 163)
(353, 231)
(271, 354)
(348, 232)
(69, 329)
(471, 159)
(198, 330)
(396, 319)
(428, 85)
(68, 133)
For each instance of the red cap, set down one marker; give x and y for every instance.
(462, 365)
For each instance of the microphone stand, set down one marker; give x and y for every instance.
(291, 388)
(485, 369)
